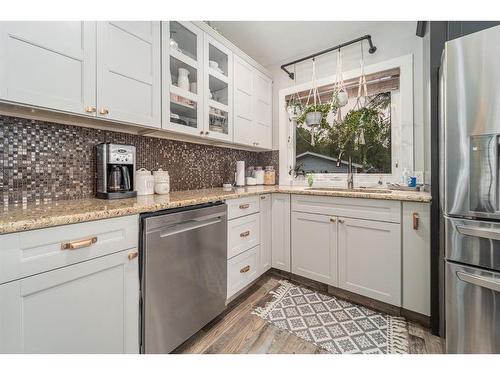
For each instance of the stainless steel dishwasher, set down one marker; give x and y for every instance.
(183, 273)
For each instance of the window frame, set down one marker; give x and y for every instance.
(402, 129)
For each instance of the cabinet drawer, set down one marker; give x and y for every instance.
(242, 270)
(360, 208)
(28, 253)
(242, 206)
(243, 234)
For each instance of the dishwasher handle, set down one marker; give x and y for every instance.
(189, 225)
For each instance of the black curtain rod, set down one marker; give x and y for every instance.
(372, 49)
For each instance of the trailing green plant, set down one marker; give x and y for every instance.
(324, 108)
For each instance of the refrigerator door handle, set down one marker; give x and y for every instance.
(488, 233)
(481, 281)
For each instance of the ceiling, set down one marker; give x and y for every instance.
(273, 42)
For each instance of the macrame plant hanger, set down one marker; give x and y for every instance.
(340, 96)
(315, 93)
(362, 95)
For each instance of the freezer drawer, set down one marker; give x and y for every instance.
(473, 242)
(472, 310)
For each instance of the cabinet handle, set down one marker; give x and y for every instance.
(245, 234)
(207, 133)
(416, 220)
(90, 109)
(202, 132)
(333, 220)
(341, 221)
(262, 197)
(245, 269)
(104, 111)
(244, 206)
(78, 244)
(133, 255)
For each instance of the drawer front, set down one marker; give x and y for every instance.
(360, 208)
(242, 206)
(242, 270)
(243, 234)
(28, 253)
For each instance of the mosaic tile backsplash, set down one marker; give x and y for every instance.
(43, 161)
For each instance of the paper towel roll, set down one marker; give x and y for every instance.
(240, 173)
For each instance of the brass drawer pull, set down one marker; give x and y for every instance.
(245, 234)
(133, 255)
(78, 244)
(416, 220)
(243, 206)
(245, 269)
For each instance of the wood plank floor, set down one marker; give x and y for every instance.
(237, 330)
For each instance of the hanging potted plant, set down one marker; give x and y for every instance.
(314, 115)
(294, 107)
(340, 96)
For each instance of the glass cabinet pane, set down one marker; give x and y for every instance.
(218, 90)
(183, 40)
(217, 60)
(183, 111)
(218, 120)
(183, 75)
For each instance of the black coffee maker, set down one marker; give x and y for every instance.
(115, 171)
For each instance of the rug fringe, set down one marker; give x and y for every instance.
(398, 335)
(278, 295)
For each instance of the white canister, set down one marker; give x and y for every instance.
(258, 173)
(144, 182)
(162, 181)
(183, 80)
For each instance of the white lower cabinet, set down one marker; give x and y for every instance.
(416, 257)
(242, 270)
(88, 307)
(370, 259)
(281, 231)
(265, 232)
(314, 247)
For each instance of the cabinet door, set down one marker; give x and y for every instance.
(182, 56)
(262, 110)
(49, 64)
(314, 247)
(243, 103)
(128, 72)
(416, 257)
(370, 259)
(89, 307)
(218, 85)
(281, 231)
(265, 232)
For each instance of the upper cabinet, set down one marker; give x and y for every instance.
(128, 72)
(174, 75)
(252, 106)
(182, 78)
(218, 64)
(49, 64)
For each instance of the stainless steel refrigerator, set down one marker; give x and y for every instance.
(470, 191)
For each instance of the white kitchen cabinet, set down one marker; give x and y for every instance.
(265, 232)
(281, 231)
(183, 107)
(218, 85)
(49, 64)
(88, 307)
(314, 247)
(128, 71)
(242, 270)
(252, 106)
(416, 257)
(369, 256)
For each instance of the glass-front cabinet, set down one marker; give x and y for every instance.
(182, 60)
(218, 85)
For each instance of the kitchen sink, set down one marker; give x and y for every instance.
(356, 190)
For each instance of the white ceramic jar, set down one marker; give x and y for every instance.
(162, 181)
(183, 80)
(144, 182)
(258, 174)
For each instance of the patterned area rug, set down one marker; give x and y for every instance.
(334, 324)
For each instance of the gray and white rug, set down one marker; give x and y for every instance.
(334, 324)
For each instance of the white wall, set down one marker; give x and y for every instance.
(392, 40)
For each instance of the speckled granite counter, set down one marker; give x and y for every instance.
(32, 216)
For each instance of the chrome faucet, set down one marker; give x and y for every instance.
(350, 177)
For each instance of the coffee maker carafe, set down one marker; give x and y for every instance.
(115, 171)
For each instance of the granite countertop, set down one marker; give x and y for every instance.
(36, 216)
